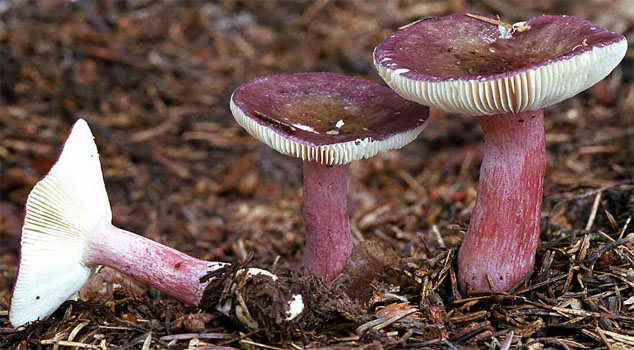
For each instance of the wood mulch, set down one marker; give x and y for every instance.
(153, 80)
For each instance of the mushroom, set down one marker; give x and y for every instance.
(68, 232)
(327, 120)
(505, 75)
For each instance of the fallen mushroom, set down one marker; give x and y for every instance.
(68, 232)
(504, 74)
(327, 120)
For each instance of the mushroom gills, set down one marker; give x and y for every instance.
(61, 212)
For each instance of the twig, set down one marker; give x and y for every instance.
(439, 239)
(378, 324)
(606, 248)
(506, 345)
(187, 336)
(68, 343)
(593, 213)
(263, 346)
(147, 342)
(491, 20)
(604, 339)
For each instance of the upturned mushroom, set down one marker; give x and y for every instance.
(327, 120)
(505, 75)
(68, 232)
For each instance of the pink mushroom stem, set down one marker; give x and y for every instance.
(168, 270)
(498, 250)
(67, 232)
(328, 239)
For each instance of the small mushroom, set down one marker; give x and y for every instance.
(505, 75)
(68, 232)
(328, 121)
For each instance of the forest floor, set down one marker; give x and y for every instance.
(153, 79)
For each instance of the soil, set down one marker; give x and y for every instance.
(266, 302)
(153, 80)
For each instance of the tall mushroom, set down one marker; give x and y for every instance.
(67, 232)
(328, 121)
(505, 75)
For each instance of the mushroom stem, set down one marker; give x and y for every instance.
(168, 270)
(498, 250)
(67, 231)
(328, 239)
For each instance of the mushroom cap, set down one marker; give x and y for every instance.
(61, 214)
(462, 64)
(326, 118)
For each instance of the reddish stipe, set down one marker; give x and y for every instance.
(168, 270)
(499, 247)
(328, 239)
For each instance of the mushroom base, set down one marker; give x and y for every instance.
(278, 305)
(328, 239)
(499, 248)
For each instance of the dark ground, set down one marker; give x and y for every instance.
(154, 80)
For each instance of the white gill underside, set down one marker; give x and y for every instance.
(333, 154)
(526, 91)
(61, 212)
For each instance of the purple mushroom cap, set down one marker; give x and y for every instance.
(325, 117)
(465, 64)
